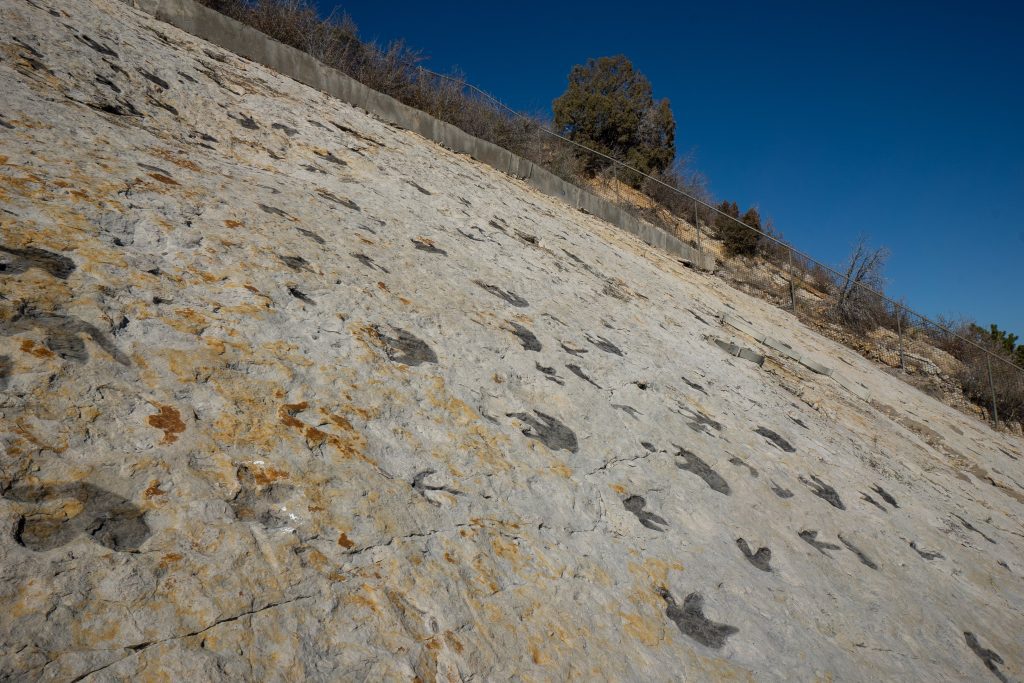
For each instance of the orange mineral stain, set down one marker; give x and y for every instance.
(169, 421)
(29, 346)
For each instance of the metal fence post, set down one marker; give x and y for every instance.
(899, 331)
(792, 286)
(696, 224)
(616, 181)
(992, 385)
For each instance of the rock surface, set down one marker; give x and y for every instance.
(289, 394)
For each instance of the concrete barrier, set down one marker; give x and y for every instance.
(247, 42)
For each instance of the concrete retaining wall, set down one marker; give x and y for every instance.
(247, 42)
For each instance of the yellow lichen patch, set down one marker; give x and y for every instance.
(169, 421)
(166, 180)
(453, 642)
(188, 321)
(365, 596)
(264, 475)
(287, 412)
(31, 595)
(505, 549)
(169, 559)
(562, 470)
(341, 421)
(649, 631)
(175, 159)
(86, 636)
(23, 431)
(29, 185)
(654, 571)
(233, 223)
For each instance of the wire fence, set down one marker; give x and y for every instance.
(966, 369)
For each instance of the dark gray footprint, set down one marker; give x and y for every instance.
(864, 559)
(990, 657)
(111, 520)
(761, 559)
(886, 496)
(821, 546)
(692, 623)
(406, 348)
(824, 491)
(419, 483)
(548, 430)
(578, 371)
(20, 260)
(874, 502)
(507, 296)
(526, 337)
(781, 443)
(693, 463)
(636, 505)
(739, 462)
(603, 344)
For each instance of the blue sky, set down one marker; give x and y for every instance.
(904, 121)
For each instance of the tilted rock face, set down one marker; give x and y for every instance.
(288, 393)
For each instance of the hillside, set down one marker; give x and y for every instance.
(292, 394)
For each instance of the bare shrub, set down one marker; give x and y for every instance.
(857, 302)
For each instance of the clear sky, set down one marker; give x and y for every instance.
(901, 120)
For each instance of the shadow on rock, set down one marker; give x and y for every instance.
(14, 261)
(63, 334)
(53, 521)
